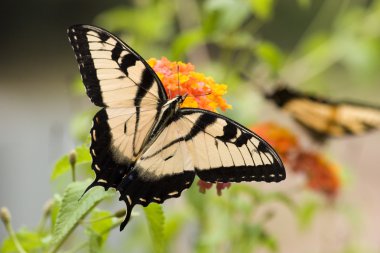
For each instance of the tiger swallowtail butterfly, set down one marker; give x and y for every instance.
(324, 118)
(145, 145)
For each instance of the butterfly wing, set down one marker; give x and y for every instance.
(225, 151)
(163, 171)
(121, 81)
(200, 142)
(323, 118)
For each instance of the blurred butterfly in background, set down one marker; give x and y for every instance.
(147, 146)
(325, 118)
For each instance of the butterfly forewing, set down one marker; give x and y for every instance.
(118, 79)
(114, 75)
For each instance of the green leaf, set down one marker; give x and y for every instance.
(100, 222)
(31, 241)
(271, 55)
(225, 16)
(61, 167)
(185, 41)
(83, 157)
(262, 8)
(57, 202)
(83, 154)
(146, 23)
(74, 208)
(156, 220)
(95, 242)
(304, 3)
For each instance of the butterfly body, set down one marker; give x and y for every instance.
(144, 144)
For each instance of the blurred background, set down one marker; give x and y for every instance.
(327, 48)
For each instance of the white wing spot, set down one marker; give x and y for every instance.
(173, 193)
(94, 135)
(129, 199)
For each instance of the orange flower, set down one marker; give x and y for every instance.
(322, 175)
(280, 138)
(179, 78)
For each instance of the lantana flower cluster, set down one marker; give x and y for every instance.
(203, 92)
(321, 174)
(179, 78)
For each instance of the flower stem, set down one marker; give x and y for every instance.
(72, 160)
(6, 218)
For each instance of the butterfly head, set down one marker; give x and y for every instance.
(176, 102)
(179, 100)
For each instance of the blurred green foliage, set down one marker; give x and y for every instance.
(324, 46)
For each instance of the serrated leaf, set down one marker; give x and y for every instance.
(30, 241)
(74, 208)
(61, 167)
(156, 221)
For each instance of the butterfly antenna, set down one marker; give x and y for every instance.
(178, 77)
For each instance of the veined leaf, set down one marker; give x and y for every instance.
(74, 208)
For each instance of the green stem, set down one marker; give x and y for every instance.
(13, 237)
(41, 225)
(73, 173)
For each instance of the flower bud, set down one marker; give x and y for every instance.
(5, 215)
(72, 158)
(120, 214)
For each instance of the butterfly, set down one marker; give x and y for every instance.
(325, 118)
(143, 143)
